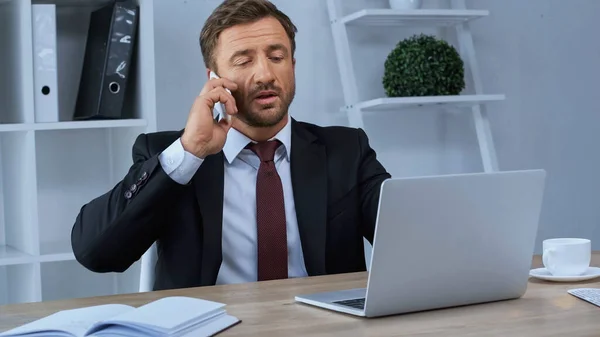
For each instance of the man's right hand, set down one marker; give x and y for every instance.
(204, 136)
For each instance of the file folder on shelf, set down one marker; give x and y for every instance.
(111, 40)
(45, 74)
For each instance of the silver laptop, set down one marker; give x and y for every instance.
(447, 241)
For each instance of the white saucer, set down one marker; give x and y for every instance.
(544, 274)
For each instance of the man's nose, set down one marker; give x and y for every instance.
(263, 73)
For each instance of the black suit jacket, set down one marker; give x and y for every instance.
(336, 179)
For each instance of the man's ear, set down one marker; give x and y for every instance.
(208, 73)
(294, 63)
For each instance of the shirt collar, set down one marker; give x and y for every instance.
(237, 141)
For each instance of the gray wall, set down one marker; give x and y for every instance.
(543, 54)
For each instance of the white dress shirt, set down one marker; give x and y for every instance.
(241, 165)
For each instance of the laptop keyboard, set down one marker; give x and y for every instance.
(358, 303)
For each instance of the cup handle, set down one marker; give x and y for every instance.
(547, 258)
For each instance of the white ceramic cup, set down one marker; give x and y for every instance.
(567, 256)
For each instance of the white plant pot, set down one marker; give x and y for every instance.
(405, 4)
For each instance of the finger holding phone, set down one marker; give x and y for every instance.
(204, 134)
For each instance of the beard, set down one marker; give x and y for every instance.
(259, 115)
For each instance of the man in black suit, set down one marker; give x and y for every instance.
(258, 196)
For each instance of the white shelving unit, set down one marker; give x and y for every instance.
(396, 103)
(49, 170)
(411, 18)
(456, 17)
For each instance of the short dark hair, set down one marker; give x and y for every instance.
(236, 12)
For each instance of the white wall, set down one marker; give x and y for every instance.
(543, 54)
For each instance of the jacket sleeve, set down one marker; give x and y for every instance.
(113, 231)
(371, 174)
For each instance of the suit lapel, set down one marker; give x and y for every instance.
(309, 181)
(208, 183)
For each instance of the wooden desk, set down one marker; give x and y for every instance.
(268, 309)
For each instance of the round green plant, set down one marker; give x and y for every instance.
(423, 65)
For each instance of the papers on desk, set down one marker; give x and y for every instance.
(170, 316)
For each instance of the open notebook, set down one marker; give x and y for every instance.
(169, 316)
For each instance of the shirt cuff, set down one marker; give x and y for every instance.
(179, 164)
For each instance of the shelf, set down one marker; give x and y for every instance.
(82, 282)
(117, 123)
(394, 103)
(95, 161)
(19, 283)
(96, 124)
(412, 18)
(57, 250)
(49, 170)
(11, 256)
(68, 279)
(69, 179)
(18, 232)
(79, 283)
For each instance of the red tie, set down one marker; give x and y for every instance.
(270, 215)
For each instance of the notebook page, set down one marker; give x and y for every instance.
(121, 328)
(213, 327)
(167, 314)
(74, 321)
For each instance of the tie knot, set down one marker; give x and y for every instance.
(265, 150)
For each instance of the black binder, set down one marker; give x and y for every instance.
(111, 41)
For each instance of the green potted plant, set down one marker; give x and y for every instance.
(423, 65)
